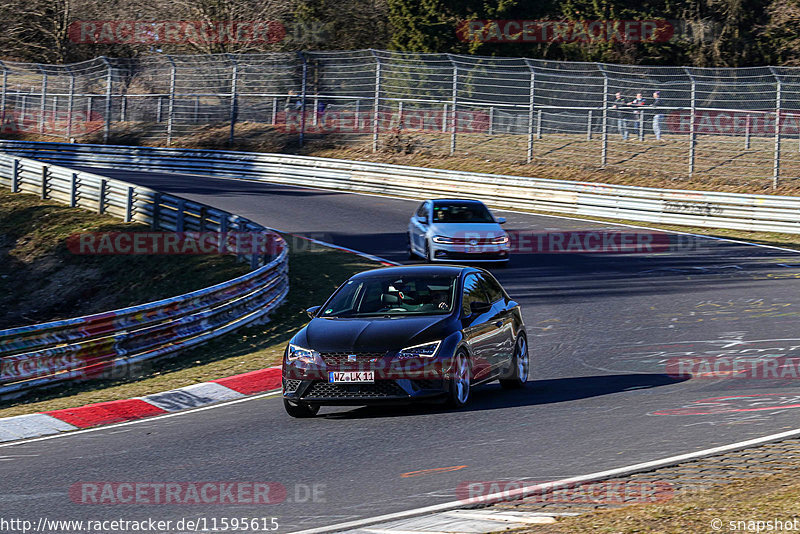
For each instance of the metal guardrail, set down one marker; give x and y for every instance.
(766, 213)
(108, 343)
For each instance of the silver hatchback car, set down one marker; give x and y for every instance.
(457, 230)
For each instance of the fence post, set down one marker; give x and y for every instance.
(604, 126)
(444, 117)
(376, 101)
(71, 104)
(234, 99)
(180, 217)
(101, 201)
(491, 120)
(123, 111)
(747, 132)
(692, 121)
(171, 104)
(589, 126)
(109, 82)
(776, 165)
(303, 89)
(453, 113)
(3, 94)
(158, 110)
(314, 112)
(274, 110)
(539, 124)
(129, 205)
(15, 177)
(44, 182)
(531, 104)
(43, 102)
(24, 109)
(400, 124)
(154, 221)
(73, 190)
(641, 125)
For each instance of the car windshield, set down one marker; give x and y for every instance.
(394, 296)
(455, 212)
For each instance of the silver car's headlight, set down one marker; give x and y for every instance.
(304, 355)
(426, 350)
(500, 240)
(442, 239)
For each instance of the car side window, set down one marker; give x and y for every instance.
(493, 289)
(474, 285)
(422, 211)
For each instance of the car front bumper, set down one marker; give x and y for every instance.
(382, 391)
(448, 253)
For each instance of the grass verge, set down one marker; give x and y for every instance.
(41, 280)
(313, 274)
(757, 499)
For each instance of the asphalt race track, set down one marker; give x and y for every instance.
(602, 328)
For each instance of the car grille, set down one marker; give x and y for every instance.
(381, 388)
(340, 358)
(290, 385)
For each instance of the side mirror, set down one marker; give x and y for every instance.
(479, 307)
(312, 311)
(501, 220)
(423, 219)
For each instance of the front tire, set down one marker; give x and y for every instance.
(460, 381)
(520, 365)
(428, 258)
(300, 410)
(411, 254)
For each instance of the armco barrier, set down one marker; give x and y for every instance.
(106, 344)
(768, 213)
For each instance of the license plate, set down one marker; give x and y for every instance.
(351, 377)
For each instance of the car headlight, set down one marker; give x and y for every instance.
(304, 355)
(442, 239)
(426, 350)
(500, 240)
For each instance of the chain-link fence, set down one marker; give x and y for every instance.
(727, 124)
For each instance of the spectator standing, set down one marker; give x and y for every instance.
(658, 115)
(638, 115)
(622, 120)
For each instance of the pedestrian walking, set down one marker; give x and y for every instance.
(658, 115)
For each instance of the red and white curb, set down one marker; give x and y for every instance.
(105, 413)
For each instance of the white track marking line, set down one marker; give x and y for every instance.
(540, 488)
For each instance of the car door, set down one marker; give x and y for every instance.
(418, 227)
(479, 331)
(503, 319)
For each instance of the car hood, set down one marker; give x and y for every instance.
(467, 229)
(374, 334)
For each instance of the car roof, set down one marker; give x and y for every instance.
(460, 200)
(401, 270)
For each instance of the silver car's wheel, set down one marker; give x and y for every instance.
(520, 365)
(461, 380)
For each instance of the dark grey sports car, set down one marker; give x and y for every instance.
(405, 334)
